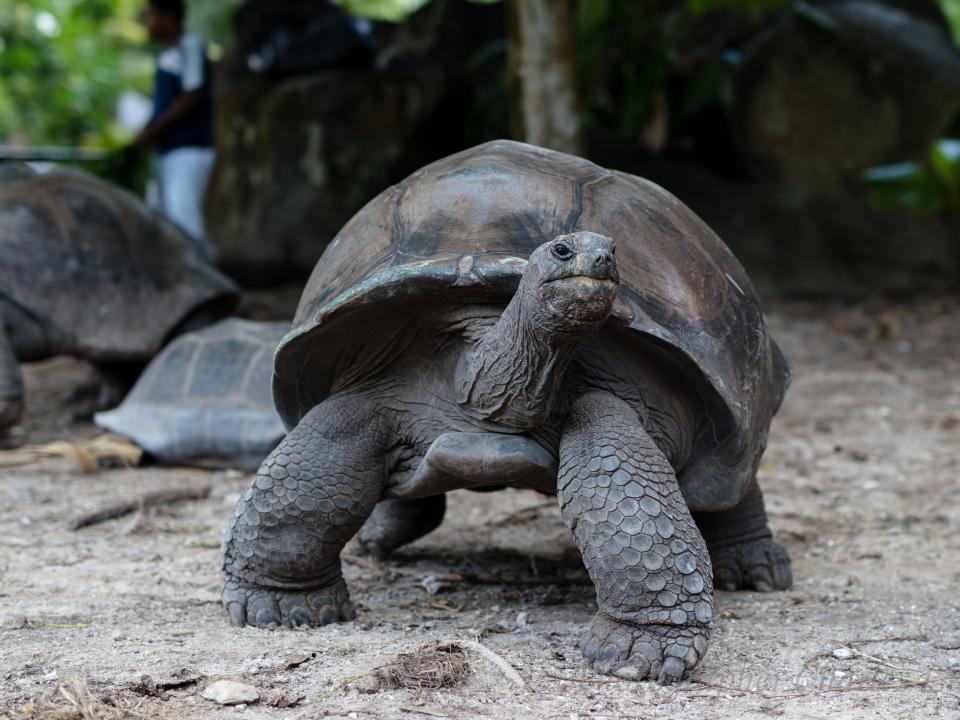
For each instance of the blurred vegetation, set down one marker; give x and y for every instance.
(932, 187)
(63, 64)
(383, 10)
(951, 8)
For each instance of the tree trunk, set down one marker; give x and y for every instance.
(542, 73)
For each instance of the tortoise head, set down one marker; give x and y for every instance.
(570, 283)
(512, 374)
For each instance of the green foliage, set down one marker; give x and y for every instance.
(628, 49)
(951, 8)
(623, 48)
(384, 10)
(213, 21)
(752, 7)
(933, 187)
(63, 64)
(390, 10)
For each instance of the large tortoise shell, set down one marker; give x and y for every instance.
(463, 227)
(103, 276)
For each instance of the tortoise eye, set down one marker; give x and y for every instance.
(562, 252)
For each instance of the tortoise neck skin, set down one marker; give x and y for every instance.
(512, 374)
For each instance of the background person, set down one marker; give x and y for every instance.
(181, 127)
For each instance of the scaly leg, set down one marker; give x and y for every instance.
(742, 549)
(398, 522)
(314, 491)
(620, 498)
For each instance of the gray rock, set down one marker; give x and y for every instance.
(815, 104)
(298, 156)
(836, 244)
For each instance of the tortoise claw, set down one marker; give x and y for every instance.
(266, 607)
(664, 653)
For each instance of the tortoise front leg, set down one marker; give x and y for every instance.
(314, 491)
(620, 498)
(11, 393)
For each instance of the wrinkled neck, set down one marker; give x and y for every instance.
(513, 373)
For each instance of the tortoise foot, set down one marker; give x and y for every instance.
(664, 653)
(760, 565)
(267, 607)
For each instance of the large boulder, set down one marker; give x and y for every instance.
(298, 161)
(822, 94)
(819, 96)
(304, 141)
(823, 246)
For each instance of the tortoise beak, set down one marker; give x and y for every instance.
(598, 262)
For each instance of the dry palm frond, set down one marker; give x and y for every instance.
(75, 701)
(88, 455)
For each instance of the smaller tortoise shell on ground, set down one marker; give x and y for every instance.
(205, 399)
(460, 230)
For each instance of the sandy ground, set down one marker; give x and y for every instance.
(861, 480)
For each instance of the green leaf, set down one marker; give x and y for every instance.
(945, 160)
(384, 10)
(951, 9)
(905, 185)
(816, 16)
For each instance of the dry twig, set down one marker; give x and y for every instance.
(815, 691)
(597, 681)
(147, 500)
(532, 510)
(490, 655)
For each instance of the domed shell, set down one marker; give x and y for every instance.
(103, 276)
(205, 399)
(461, 229)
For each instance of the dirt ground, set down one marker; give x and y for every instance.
(861, 479)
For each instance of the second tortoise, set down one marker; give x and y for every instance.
(205, 399)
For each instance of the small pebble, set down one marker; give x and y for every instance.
(432, 585)
(842, 653)
(230, 692)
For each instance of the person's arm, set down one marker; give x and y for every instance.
(179, 109)
(194, 86)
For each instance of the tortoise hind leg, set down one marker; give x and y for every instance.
(313, 492)
(742, 549)
(620, 498)
(11, 394)
(454, 460)
(398, 522)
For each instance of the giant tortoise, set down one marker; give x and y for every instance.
(87, 270)
(513, 316)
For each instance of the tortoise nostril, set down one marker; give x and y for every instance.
(603, 258)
